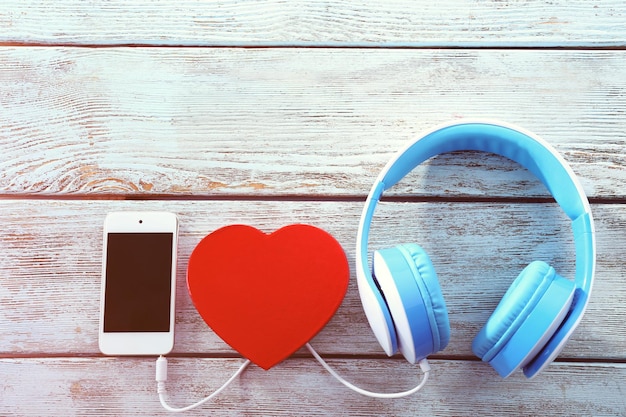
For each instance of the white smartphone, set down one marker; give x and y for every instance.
(137, 301)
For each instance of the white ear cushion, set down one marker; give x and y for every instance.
(386, 281)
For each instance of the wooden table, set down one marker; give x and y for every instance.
(270, 113)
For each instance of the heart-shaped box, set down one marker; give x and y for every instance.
(266, 295)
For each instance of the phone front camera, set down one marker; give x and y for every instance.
(140, 221)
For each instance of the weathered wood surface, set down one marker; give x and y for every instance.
(343, 23)
(50, 286)
(299, 387)
(293, 121)
(269, 113)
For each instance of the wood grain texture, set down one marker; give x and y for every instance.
(339, 23)
(271, 112)
(300, 387)
(269, 122)
(51, 268)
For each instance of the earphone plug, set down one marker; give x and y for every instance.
(161, 374)
(161, 369)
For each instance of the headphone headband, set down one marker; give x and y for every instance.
(514, 143)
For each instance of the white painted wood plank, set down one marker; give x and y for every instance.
(294, 121)
(300, 387)
(348, 23)
(51, 263)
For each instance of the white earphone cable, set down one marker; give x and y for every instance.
(161, 377)
(425, 367)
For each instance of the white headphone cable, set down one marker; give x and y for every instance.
(425, 367)
(161, 377)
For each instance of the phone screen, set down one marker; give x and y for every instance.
(138, 282)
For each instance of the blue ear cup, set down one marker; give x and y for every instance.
(408, 281)
(530, 312)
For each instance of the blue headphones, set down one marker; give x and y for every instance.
(402, 298)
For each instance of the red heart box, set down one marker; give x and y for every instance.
(266, 295)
